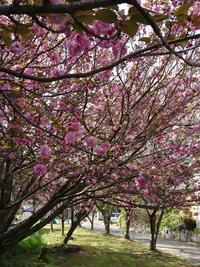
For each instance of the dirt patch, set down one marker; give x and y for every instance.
(66, 249)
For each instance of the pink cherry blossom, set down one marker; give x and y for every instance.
(20, 101)
(63, 167)
(75, 124)
(104, 75)
(57, 72)
(71, 138)
(91, 141)
(114, 176)
(45, 151)
(141, 181)
(103, 148)
(11, 155)
(5, 87)
(40, 169)
(102, 28)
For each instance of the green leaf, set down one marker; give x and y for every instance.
(183, 9)
(21, 29)
(84, 13)
(114, 7)
(129, 27)
(7, 38)
(132, 10)
(106, 15)
(172, 37)
(195, 20)
(181, 18)
(76, 27)
(86, 19)
(145, 39)
(138, 17)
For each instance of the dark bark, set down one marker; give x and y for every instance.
(5, 197)
(154, 227)
(127, 229)
(152, 220)
(63, 224)
(32, 224)
(51, 226)
(74, 224)
(72, 215)
(92, 225)
(91, 219)
(106, 219)
(106, 210)
(53, 9)
(69, 234)
(128, 216)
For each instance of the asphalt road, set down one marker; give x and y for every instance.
(180, 249)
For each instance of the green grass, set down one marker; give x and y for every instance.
(97, 250)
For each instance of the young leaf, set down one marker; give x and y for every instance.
(86, 19)
(183, 9)
(129, 27)
(145, 39)
(7, 38)
(132, 10)
(84, 13)
(138, 17)
(106, 15)
(21, 29)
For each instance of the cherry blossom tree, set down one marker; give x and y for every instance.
(81, 102)
(76, 27)
(71, 144)
(171, 176)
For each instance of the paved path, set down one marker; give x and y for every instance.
(184, 250)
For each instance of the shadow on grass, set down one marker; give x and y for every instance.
(104, 257)
(97, 250)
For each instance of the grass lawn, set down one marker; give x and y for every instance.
(97, 250)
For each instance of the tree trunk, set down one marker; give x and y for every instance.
(92, 221)
(154, 226)
(34, 222)
(106, 219)
(92, 225)
(70, 232)
(79, 217)
(127, 229)
(52, 226)
(72, 215)
(63, 224)
(152, 218)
